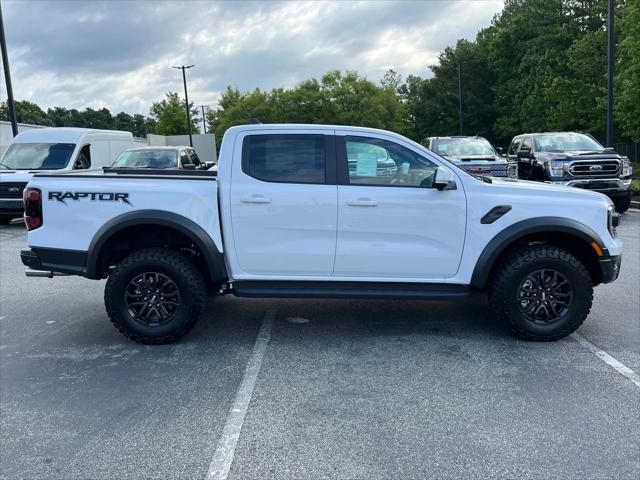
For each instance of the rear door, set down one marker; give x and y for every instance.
(283, 201)
(392, 223)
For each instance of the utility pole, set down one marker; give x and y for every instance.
(7, 77)
(186, 99)
(610, 68)
(460, 94)
(204, 119)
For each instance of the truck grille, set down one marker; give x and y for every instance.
(595, 168)
(498, 170)
(12, 189)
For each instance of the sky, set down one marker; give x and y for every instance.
(119, 54)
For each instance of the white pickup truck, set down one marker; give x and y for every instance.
(316, 211)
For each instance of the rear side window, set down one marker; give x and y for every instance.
(285, 158)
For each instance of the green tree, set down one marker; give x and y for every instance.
(628, 79)
(171, 117)
(100, 119)
(26, 112)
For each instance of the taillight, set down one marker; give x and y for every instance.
(32, 208)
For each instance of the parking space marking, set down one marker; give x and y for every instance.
(608, 359)
(225, 451)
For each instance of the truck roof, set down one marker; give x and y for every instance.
(63, 135)
(307, 126)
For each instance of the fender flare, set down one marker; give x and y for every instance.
(518, 230)
(216, 266)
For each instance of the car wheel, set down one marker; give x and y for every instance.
(543, 293)
(623, 203)
(154, 295)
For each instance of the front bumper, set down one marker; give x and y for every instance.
(602, 185)
(610, 268)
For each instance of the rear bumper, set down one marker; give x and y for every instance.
(610, 268)
(11, 207)
(71, 262)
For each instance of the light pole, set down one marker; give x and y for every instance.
(204, 119)
(460, 95)
(610, 67)
(186, 99)
(7, 76)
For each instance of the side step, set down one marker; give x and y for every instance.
(314, 289)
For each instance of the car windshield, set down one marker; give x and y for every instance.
(462, 146)
(147, 159)
(563, 142)
(37, 156)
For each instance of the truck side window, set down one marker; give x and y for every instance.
(194, 158)
(184, 158)
(83, 160)
(377, 162)
(526, 145)
(285, 158)
(513, 148)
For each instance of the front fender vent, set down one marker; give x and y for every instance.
(494, 214)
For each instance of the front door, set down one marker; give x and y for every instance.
(392, 223)
(284, 204)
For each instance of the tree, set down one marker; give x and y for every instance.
(100, 119)
(26, 112)
(628, 79)
(171, 117)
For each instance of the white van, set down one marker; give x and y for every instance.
(53, 150)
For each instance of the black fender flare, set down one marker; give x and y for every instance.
(213, 257)
(518, 230)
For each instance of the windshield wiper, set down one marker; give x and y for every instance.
(6, 166)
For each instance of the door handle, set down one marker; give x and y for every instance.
(362, 202)
(256, 198)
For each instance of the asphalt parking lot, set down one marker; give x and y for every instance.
(334, 389)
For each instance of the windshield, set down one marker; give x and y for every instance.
(562, 142)
(462, 146)
(147, 159)
(37, 156)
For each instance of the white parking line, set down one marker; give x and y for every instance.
(608, 359)
(223, 456)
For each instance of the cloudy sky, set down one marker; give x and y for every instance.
(118, 54)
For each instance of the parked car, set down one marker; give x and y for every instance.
(287, 217)
(473, 154)
(576, 160)
(53, 149)
(161, 158)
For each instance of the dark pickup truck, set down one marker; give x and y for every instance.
(573, 159)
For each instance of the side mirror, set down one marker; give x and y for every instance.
(444, 179)
(189, 166)
(208, 165)
(524, 154)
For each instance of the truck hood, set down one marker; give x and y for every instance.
(578, 155)
(461, 159)
(541, 188)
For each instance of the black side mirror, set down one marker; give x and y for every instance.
(208, 165)
(524, 154)
(189, 166)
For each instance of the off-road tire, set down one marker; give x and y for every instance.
(503, 291)
(180, 269)
(622, 203)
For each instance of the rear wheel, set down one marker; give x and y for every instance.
(155, 295)
(544, 293)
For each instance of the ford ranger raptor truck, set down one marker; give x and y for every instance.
(319, 211)
(575, 160)
(472, 154)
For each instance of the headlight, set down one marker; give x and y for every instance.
(512, 170)
(612, 221)
(555, 168)
(627, 169)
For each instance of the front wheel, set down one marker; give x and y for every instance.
(154, 295)
(544, 293)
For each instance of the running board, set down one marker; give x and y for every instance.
(314, 289)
